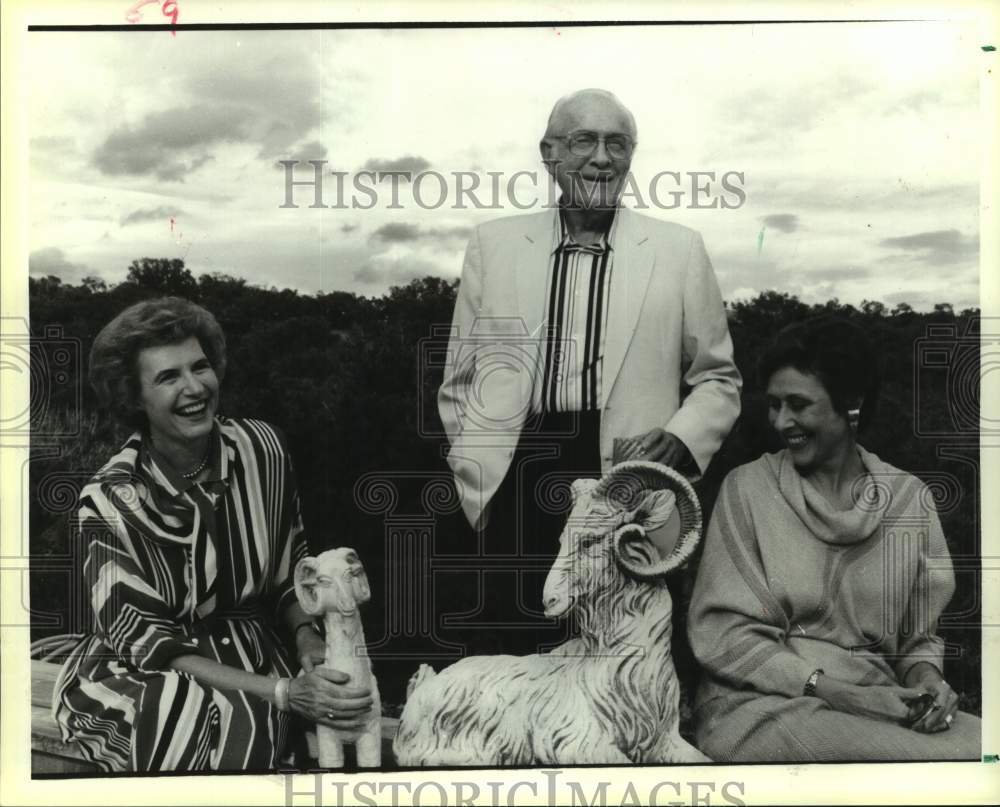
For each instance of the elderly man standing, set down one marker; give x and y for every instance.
(576, 330)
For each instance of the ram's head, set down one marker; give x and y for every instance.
(624, 520)
(333, 581)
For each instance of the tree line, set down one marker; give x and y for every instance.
(352, 381)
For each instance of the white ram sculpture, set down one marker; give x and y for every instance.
(609, 696)
(333, 585)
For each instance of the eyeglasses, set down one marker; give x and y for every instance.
(583, 144)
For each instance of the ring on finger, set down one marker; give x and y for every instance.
(949, 719)
(330, 715)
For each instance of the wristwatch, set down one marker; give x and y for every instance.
(809, 690)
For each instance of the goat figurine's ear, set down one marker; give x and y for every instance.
(360, 589)
(634, 551)
(306, 571)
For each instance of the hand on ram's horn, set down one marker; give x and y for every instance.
(323, 697)
(658, 445)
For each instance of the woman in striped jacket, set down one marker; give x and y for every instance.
(186, 540)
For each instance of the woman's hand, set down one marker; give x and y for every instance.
(942, 713)
(311, 648)
(876, 702)
(322, 696)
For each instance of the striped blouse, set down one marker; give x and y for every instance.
(172, 567)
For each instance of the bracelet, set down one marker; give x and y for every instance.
(809, 690)
(281, 694)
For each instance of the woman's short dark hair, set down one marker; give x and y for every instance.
(151, 323)
(834, 350)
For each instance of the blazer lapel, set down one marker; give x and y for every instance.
(532, 259)
(533, 256)
(633, 267)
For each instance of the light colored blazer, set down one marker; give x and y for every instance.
(667, 335)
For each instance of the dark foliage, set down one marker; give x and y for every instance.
(352, 381)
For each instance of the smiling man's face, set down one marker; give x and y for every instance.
(592, 180)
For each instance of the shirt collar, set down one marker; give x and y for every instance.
(565, 240)
(163, 473)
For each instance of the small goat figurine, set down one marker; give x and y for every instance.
(333, 585)
(609, 696)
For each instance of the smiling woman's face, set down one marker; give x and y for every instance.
(178, 391)
(800, 410)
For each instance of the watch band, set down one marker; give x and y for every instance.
(809, 690)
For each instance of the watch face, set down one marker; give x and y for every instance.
(810, 687)
(920, 707)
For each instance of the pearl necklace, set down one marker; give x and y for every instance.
(201, 467)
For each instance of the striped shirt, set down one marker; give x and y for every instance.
(577, 304)
(172, 567)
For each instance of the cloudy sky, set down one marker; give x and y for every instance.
(857, 144)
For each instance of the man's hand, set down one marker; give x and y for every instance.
(658, 445)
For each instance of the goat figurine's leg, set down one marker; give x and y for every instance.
(369, 746)
(331, 749)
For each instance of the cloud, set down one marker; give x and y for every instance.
(937, 246)
(313, 150)
(272, 103)
(171, 143)
(756, 113)
(875, 197)
(381, 270)
(284, 92)
(150, 214)
(401, 232)
(409, 165)
(785, 222)
(397, 232)
(450, 232)
(53, 261)
(844, 272)
(917, 101)
(742, 275)
(52, 144)
(961, 296)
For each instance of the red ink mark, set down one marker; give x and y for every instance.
(133, 15)
(172, 222)
(170, 9)
(167, 7)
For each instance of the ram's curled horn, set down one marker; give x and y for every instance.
(627, 486)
